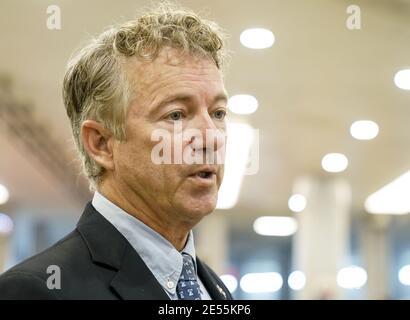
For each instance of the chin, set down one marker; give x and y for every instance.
(199, 208)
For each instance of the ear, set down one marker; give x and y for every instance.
(98, 143)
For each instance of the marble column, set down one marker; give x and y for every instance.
(322, 240)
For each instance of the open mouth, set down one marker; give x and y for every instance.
(204, 176)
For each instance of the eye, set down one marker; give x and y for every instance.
(175, 115)
(220, 114)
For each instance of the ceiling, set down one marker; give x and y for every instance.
(311, 85)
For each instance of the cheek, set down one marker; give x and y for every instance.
(138, 160)
(135, 165)
(132, 157)
(127, 160)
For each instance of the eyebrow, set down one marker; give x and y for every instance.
(186, 98)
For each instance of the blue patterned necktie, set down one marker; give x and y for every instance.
(188, 286)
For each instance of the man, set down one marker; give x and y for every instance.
(157, 73)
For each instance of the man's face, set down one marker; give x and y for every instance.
(171, 92)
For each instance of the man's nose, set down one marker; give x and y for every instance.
(208, 137)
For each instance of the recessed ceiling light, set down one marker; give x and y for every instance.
(243, 104)
(393, 198)
(257, 38)
(352, 277)
(402, 79)
(297, 203)
(230, 282)
(364, 130)
(404, 275)
(275, 226)
(334, 162)
(238, 145)
(297, 280)
(6, 224)
(4, 194)
(261, 282)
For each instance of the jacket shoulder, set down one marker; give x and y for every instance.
(21, 285)
(28, 279)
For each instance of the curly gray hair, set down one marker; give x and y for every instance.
(96, 85)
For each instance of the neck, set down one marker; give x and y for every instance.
(176, 232)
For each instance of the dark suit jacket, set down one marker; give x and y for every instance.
(96, 262)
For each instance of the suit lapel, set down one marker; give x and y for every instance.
(108, 248)
(135, 281)
(132, 280)
(213, 284)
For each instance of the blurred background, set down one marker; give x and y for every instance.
(316, 196)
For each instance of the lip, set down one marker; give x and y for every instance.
(203, 182)
(208, 181)
(209, 169)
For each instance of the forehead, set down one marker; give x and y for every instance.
(173, 68)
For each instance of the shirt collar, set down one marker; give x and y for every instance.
(161, 257)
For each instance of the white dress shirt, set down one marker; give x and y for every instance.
(160, 256)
